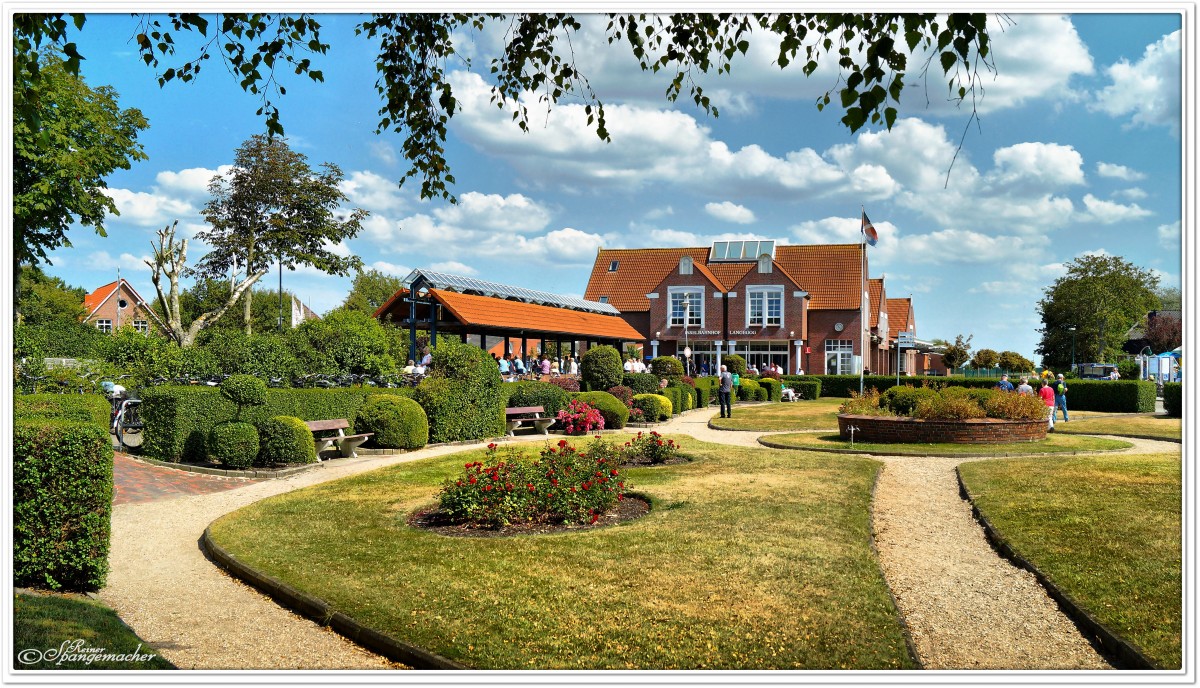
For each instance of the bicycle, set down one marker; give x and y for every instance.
(127, 423)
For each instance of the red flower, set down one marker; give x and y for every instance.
(487, 488)
(492, 445)
(460, 483)
(554, 482)
(562, 443)
(621, 485)
(595, 517)
(573, 489)
(508, 486)
(620, 497)
(473, 480)
(532, 488)
(613, 472)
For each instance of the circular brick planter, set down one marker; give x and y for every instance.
(897, 430)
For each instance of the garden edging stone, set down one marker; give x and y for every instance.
(320, 611)
(1124, 654)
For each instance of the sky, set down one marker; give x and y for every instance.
(1077, 150)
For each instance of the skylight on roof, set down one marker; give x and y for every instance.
(740, 250)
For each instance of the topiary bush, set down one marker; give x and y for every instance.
(772, 387)
(1173, 399)
(243, 391)
(687, 397)
(548, 395)
(655, 407)
(676, 396)
(284, 440)
(734, 363)
(600, 367)
(615, 412)
(750, 390)
(233, 444)
(640, 383)
(461, 397)
(623, 393)
(667, 367)
(398, 423)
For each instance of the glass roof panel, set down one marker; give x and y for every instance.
(470, 285)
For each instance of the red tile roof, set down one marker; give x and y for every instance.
(898, 312)
(98, 296)
(489, 311)
(93, 300)
(831, 273)
(876, 306)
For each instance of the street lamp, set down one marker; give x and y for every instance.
(1072, 329)
(687, 350)
(1144, 361)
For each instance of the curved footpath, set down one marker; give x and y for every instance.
(967, 608)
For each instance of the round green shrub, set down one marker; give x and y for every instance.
(285, 440)
(749, 390)
(903, 399)
(244, 390)
(398, 423)
(640, 383)
(615, 413)
(667, 367)
(600, 367)
(462, 396)
(734, 363)
(233, 444)
(551, 397)
(654, 407)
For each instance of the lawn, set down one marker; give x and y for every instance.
(1133, 424)
(42, 624)
(750, 559)
(1054, 443)
(1104, 529)
(819, 414)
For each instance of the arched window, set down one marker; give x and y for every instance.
(685, 265)
(764, 264)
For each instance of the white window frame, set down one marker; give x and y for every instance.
(698, 293)
(104, 325)
(685, 265)
(844, 350)
(613, 265)
(142, 326)
(764, 264)
(765, 291)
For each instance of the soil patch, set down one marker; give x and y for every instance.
(435, 520)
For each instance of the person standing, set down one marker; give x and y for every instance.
(725, 392)
(1047, 394)
(628, 367)
(1060, 398)
(1024, 388)
(1004, 385)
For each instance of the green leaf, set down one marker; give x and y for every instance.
(948, 60)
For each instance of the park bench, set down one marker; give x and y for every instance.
(346, 444)
(542, 424)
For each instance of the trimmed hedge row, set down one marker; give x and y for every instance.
(772, 386)
(640, 383)
(1173, 399)
(178, 418)
(62, 503)
(808, 388)
(77, 407)
(550, 397)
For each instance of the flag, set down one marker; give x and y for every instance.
(868, 230)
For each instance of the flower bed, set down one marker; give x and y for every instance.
(898, 429)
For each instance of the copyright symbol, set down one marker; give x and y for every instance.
(30, 656)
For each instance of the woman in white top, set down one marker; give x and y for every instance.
(574, 370)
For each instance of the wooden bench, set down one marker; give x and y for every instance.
(346, 444)
(542, 424)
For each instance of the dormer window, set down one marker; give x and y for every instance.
(603, 299)
(685, 265)
(612, 267)
(764, 264)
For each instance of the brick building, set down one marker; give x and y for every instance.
(798, 306)
(117, 304)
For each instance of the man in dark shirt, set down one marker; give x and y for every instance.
(724, 392)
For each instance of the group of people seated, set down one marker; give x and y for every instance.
(513, 368)
(419, 368)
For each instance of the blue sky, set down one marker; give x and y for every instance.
(1078, 150)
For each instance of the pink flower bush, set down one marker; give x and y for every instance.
(580, 418)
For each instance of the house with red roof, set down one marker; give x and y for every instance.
(116, 305)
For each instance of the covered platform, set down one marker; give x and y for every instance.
(489, 314)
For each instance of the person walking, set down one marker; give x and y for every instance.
(1060, 398)
(1024, 388)
(725, 392)
(1004, 385)
(1047, 394)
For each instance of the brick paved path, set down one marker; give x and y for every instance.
(135, 481)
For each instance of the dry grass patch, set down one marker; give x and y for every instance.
(819, 414)
(749, 559)
(1104, 529)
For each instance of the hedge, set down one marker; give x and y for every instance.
(397, 422)
(676, 396)
(750, 390)
(687, 396)
(615, 412)
(178, 418)
(1116, 396)
(77, 407)
(655, 407)
(550, 397)
(1173, 399)
(704, 392)
(772, 386)
(807, 388)
(640, 383)
(62, 503)
(600, 367)
(233, 444)
(462, 396)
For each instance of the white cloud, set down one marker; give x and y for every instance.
(391, 268)
(570, 245)
(657, 213)
(373, 192)
(1148, 90)
(384, 152)
(454, 267)
(192, 182)
(1001, 287)
(1170, 236)
(730, 212)
(1134, 193)
(101, 260)
(1113, 171)
(149, 209)
(1032, 166)
(513, 213)
(1108, 212)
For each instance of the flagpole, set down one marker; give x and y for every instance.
(862, 305)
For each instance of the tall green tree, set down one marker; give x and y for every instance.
(1101, 297)
(207, 295)
(1170, 299)
(985, 359)
(873, 52)
(371, 289)
(67, 137)
(957, 353)
(51, 315)
(1015, 362)
(272, 208)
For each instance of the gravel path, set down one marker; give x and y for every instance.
(967, 607)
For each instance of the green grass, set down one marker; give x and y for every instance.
(43, 623)
(1138, 425)
(1104, 529)
(819, 414)
(750, 559)
(1054, 443)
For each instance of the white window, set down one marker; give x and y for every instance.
(764, 264)
(689, 302)
(104, 325)
(612, 267)
(685, 265)
(839, 356)
(141, 326)
(603, 299)
(764, 306)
